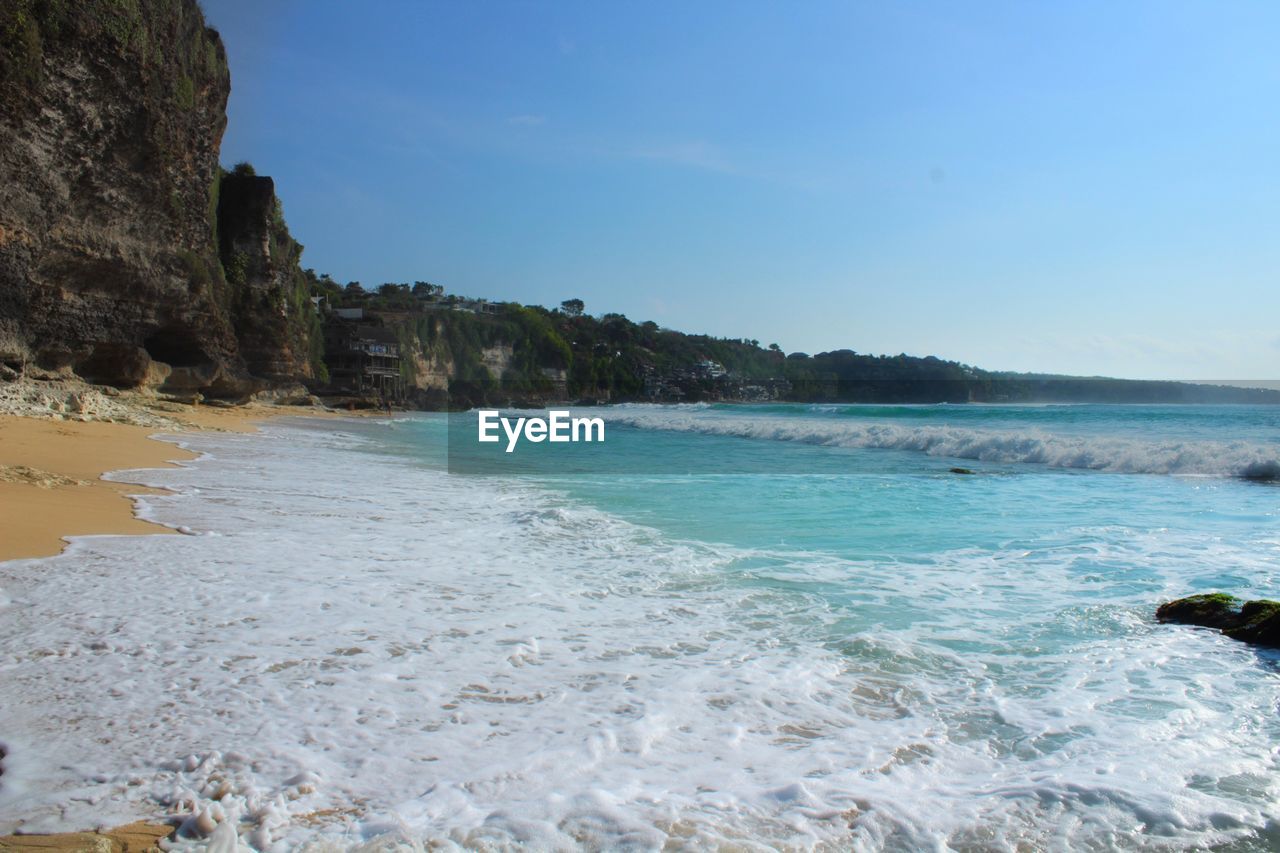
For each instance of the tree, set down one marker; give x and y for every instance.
(243, 169)
(774, 348)
(573, 307)
(322, 285)
(426, 290)
(353, 290)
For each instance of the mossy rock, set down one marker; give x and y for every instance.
(1255, 622)
(1260, 624)
(1212, 610)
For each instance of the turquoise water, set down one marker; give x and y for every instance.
(778, 481)
(780, 476)
(1011, 608)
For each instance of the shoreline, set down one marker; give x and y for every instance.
(52, 488)
(141, 835)
(52, 471)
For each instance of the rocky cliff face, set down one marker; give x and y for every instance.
(271, 311)
(111, 117)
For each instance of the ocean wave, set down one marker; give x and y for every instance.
(1246, 460)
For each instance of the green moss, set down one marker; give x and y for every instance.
(213, 60)
(215, 192)
(199, 275)
(1256, 622)
(1256, 611)
(121, 22)
(1213, 610)
(1213, 599)
(1259, 623)
(22, 51)
(409, 343)
(237, 269)
(184, 93)
(129, 27)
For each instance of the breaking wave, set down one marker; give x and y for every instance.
(1242, 459)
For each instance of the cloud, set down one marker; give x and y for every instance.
(527, 120)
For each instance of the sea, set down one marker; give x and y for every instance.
(747, 627)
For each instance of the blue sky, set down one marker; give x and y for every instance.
(1076, 187)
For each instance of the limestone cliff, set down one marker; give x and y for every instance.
(275, 323)
(111, 118)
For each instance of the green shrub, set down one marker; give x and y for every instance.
(199, 277)
(237, 270)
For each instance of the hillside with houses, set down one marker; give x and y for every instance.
(414, 344)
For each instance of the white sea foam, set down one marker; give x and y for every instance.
(371, 653)
(1244, 459)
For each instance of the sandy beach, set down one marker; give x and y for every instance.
(51, 486)
(132, 838)
(51, 471)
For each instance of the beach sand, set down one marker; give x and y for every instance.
(133, 838)
(50, 472)
(50, 486)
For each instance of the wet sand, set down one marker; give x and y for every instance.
(50, 474)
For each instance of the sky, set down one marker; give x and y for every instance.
(1085, 187)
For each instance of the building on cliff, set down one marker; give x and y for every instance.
(363, 359)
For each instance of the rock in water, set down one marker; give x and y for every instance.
(1259, 624)
(1212, 610)
(1256, 622)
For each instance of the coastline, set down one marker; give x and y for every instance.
(51, 484)
(61, 461)
(52, 469)
(52, 487)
